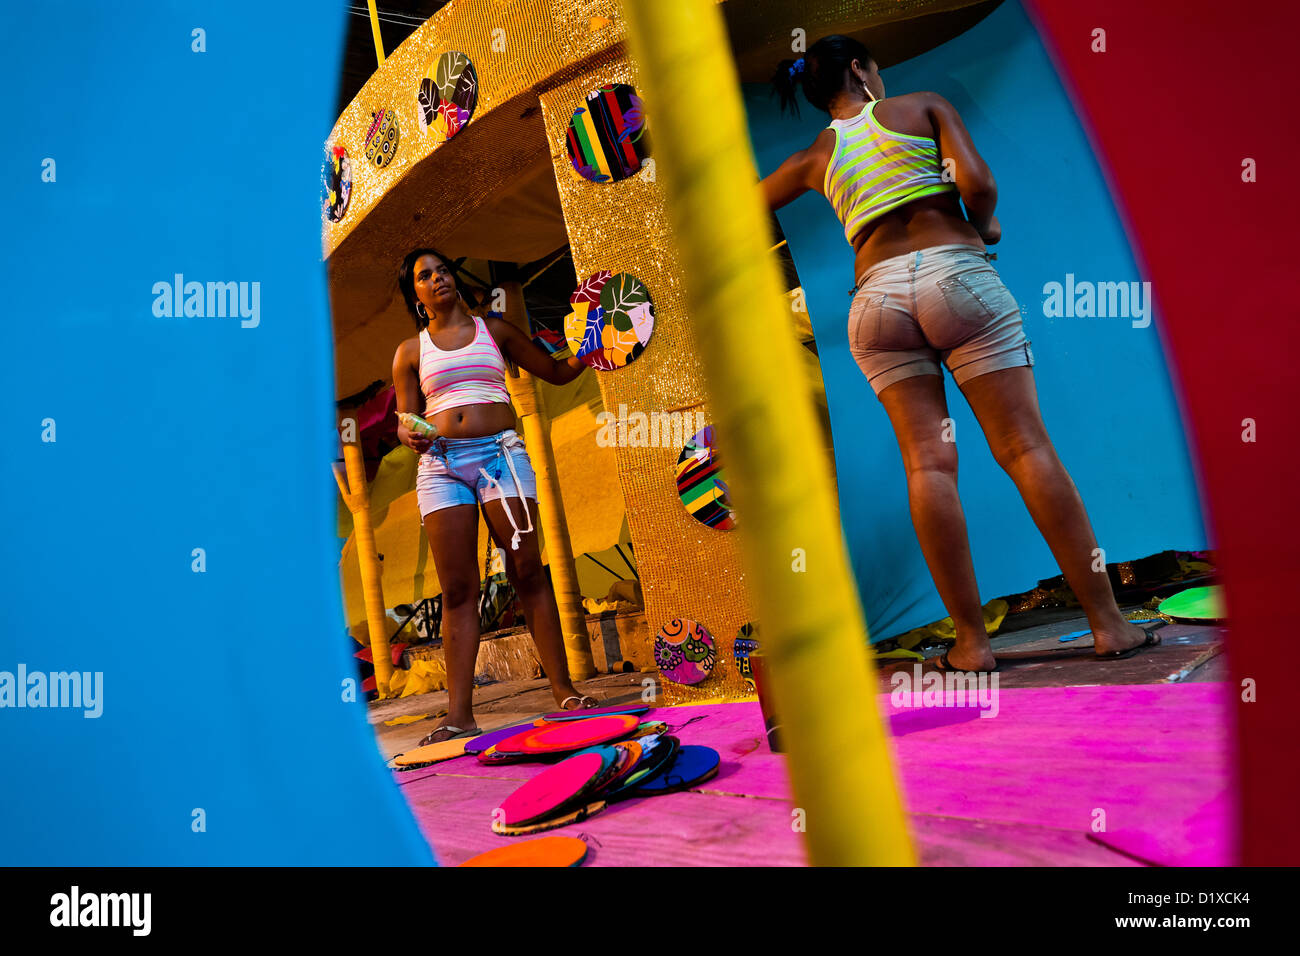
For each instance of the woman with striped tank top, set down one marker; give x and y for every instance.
(897, 170)
(453, 375)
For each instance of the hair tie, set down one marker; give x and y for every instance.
(796, 68)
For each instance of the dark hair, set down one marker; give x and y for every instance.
(820, 71)
(406, 281)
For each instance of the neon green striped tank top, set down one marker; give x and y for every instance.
(874, 170)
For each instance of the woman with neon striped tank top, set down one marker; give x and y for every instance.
(453, 375)
(897, 171)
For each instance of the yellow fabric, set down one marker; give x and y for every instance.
(411, 719)
(995, 613)
(422, 678)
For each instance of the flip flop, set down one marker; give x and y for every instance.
(943, 665)
(582, 703)
(1153, 640)
(456, 732)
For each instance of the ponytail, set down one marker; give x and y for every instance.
(820, 72)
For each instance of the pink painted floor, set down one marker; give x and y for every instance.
(1121, 776)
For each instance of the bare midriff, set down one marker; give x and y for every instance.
(474, 421)
(929, 221)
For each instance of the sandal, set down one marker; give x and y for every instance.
(452, 734)
(1153, 640)
(944, 666)
(582, 703)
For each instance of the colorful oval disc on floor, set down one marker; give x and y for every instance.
(575, 816)
(684, 651)
(544, 851)
(598, 712)
(553, 790)
(607, 139)
(701, 483)
(650, 727)
(693, 764)
(656, 754)
(476, 745)
(631, 751)
(566, 735)
(1195, 605)
(432, 753)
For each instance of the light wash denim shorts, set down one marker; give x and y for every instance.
(464, 471)
(945, 304)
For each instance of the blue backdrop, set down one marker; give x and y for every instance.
(223, 691)
(1104, 389)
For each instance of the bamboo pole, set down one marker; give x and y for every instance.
(550, 505)
(814, 635)
(356, 495)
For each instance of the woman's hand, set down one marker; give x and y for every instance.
(993, 234)
(417, 443)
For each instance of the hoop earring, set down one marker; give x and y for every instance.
(419, 310)
(866, 89)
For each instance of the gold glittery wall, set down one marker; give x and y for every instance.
(516, 46)
(687, 568)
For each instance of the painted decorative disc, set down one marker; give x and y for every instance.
(612, 320)
(597, 712)
(544, 851)
(693, 764)
(684, 651)
(431, 753)
(476, 745)
(746, 644)
(382, 138)
(337, 177)
(447, 95)
(576, 816)
(701, 482)
(564, 736)
(607, 138)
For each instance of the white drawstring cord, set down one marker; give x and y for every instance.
(514, 540)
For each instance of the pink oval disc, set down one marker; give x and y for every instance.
(551, 789)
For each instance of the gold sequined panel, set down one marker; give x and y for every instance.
(687, 569)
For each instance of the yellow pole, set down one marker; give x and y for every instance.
(814, 635)
(356, 495)
(550, 506)
(374, 30)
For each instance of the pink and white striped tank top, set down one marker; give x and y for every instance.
(472, 375)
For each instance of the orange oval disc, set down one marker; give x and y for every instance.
(543, 851)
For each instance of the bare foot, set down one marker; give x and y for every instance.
(1117, 640)
(972, 653)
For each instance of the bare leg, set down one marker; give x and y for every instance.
(917, 408)
(525, 572)
(453, 539)
(1006, 404)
